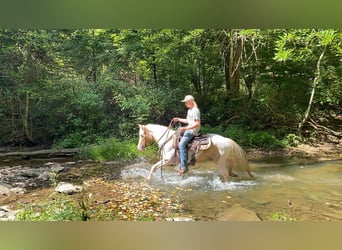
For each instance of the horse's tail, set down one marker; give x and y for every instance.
(240, 157)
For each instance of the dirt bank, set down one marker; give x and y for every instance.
(323, 151)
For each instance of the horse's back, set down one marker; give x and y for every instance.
(228, 147)
(221, 142)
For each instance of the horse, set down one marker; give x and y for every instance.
(223, 151)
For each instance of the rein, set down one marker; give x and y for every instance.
(161, 137)
(166, 132)
(162, 146)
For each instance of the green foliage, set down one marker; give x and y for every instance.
(330, 87)
(78, 139)
(111, 149)
(88, 84)
(59, 208)
(281, 216)
(291, 140)
(246, 137)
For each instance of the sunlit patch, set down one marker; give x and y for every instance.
(278, 177)
(217, 184)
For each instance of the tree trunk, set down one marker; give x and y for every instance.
(28, 134)
(249, 80)
(315, 82)
(42, 153)
(232, 63)
(154, 69)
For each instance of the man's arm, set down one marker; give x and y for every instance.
(182, 120)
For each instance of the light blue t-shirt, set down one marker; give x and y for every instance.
(192, 115)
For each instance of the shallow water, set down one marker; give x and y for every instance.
(297, 189)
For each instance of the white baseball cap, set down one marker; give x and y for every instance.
(188, 98)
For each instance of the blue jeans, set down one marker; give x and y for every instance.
(183, 148)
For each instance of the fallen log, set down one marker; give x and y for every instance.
(42, 153)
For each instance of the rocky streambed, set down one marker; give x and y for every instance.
(92, 186)
(289, 186)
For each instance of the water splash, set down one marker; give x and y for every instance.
(201, 180)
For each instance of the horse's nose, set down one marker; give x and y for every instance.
(141, 148)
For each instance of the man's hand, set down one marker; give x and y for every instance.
(182, 129)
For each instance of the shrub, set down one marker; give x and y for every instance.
(111, 149)
(291, 140)
(247, 138)
(78, 139)
(59, 208)
(280, 216)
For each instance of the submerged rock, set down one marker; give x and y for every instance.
(5, 189)
(57, 168)
(68, 188)
(45, 176)
(180, 219)
(18, 190)
(7, 214)
(238, 213)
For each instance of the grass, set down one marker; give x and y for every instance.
(280, 216)
(110, 149)
(114, 149)
(58, 208)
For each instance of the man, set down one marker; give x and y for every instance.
(193, 121)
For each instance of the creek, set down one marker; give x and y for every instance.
(284, 188)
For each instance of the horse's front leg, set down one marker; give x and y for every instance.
(155, 166)
(221, 165)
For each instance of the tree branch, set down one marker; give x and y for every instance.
(315, 82)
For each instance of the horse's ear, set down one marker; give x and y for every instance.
(142, 126)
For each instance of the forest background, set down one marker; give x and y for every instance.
(263, 88)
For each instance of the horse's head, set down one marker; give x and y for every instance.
(144, 137)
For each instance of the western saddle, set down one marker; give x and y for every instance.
(199, 142)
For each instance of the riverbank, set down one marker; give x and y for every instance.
(322, 151)
(107, 196)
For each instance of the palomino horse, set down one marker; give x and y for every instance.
(222, 150)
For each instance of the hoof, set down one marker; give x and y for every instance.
(233, 175)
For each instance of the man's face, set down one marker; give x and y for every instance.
(189, 104)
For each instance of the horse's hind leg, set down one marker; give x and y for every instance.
(230, 168)
(250, 174)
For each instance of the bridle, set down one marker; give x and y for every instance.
(148, 136)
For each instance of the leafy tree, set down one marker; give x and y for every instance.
(309, 46)
(76, 87)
